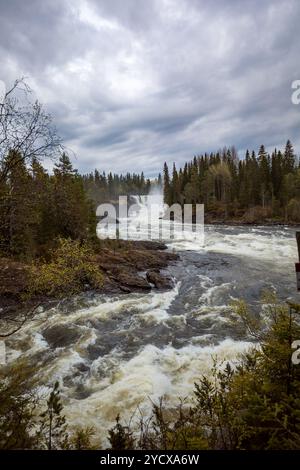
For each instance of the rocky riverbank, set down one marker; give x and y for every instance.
(136, 266)
(127, 266)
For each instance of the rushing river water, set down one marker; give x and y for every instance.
(112, 354)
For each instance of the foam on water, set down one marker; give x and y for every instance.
(153, 373)
(129, 349)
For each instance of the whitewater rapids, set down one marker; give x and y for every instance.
(115, 354)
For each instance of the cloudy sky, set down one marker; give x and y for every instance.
(132, 83)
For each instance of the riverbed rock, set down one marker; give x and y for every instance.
(58, 336)
(125, 289)
(131, 280)
(159, 280)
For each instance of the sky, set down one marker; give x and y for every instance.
(134, 83)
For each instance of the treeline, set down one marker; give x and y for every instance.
(101, 187)
(37, 207)
(261, 185)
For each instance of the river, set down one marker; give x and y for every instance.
(114, 354)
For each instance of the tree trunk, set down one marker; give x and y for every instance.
(298, 243)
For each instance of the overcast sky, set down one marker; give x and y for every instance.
(132, 83)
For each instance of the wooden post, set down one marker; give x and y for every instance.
(298, 243)
(297, 265)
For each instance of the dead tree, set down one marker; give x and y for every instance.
(25, 128)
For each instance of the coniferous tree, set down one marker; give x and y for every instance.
(167, 188)
(289, 159)
(260, 184)
(19, 215)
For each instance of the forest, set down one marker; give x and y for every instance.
(252, 189)
(37, 207)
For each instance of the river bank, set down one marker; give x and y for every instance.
(255, 216)
(126, 266)
(237, 222)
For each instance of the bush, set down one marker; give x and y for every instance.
(293, 210)
(70, 270)
(257, 214)
(17, 407)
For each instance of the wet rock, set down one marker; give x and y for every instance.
(159, 280)
(82, 367)
(148, 245)
(129, 280)
(125, 289)
(59, 336)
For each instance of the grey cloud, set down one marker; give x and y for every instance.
(133, 83)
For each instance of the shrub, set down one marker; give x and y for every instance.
(257, 214)
(70, 270)
(293, 210)
(17, 406)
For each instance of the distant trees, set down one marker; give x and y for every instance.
(168, 194)
(229, 187)
(102, 188)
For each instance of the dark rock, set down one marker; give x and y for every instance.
(61, 335)
(82, 367)
(159, 280)
(148, 245)
(120, 263)
(129, 280)
(125, 289)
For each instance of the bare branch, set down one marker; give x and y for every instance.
(28, 315)
(25, 128)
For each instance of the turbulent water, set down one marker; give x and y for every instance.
(114, 354)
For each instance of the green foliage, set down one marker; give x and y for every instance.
(70, 270)
(100, 187)
(82, 439)
(256, 188)
(293, 210)
(120, 437)
(23, 426)
(17, 407)
(36, 208)
(17, 211)
(53, 429)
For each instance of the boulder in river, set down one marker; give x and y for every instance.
(159, 280)
(58, 336)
